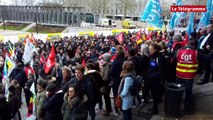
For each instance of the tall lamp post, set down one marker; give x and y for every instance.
(116, 9)
(4, 15)
(36, 17)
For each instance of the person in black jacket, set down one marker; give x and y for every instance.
(19, 74)
(53, 103)
(205, 46)
(66, 73)
(96, 80)
(15, 103)
(85, 87)
(144, 60)
(5, 110)
(115, 72)
(155, 74)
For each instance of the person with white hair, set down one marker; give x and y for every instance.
(66, 73)
(107, 80)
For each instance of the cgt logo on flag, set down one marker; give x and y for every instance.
(120, 38)
(50, 61)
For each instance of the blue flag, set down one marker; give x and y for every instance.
(153, 14)
(177, 16)
(206, 16)
(190, 27)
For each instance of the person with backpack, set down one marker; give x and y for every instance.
(132, 56)
(97, 82)
(124, 89)
(115, 74)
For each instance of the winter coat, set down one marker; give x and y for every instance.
(52, 106)
(156, 69)
(127, 98)
(85, 88)
(74, 109)
(36, 67)
(58, 75)
(144, 60)
(97, 82)
(65, 85)
(105, 73)
(5, 111)
(41, 96)
(136, 62)
(115, 70)
(18, 90)
(15, 103)
(20, 76)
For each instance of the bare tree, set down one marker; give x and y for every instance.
(28, 2)
(16, 2)
(127, 5)
(45, 1)
(97, 6)
(57, 1)
(104, 4)
(73, 3)
(94, 5)
(194, 2)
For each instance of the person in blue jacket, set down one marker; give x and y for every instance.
(124, 89)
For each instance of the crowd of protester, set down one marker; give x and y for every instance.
(88, 68)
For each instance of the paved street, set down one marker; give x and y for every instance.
(10, 32)
(203, 97)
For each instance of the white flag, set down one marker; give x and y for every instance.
(28, 50)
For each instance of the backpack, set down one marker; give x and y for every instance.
(96, 88)
(137, 85)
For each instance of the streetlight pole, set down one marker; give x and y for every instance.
(116, 9)
(36, 19)
(4, 14)
(3, 24)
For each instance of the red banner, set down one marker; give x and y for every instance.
(50, 61)
(120, 38)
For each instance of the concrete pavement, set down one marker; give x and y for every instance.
(203, 97)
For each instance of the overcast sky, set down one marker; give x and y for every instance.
(9, 2)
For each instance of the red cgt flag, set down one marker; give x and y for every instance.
(120, 38)
(50, 61)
